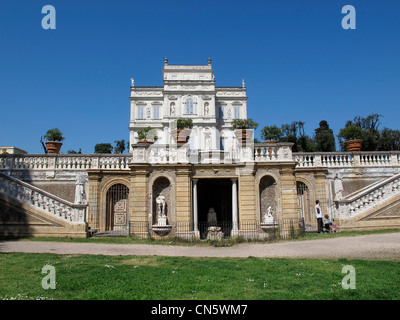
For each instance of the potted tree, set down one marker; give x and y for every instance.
(54, 138)
(271, 134)
(147, 135)
(351, 134)
(244, 129)
(183, 129)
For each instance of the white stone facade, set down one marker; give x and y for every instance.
(189, 91)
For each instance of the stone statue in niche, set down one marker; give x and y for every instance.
(172, 109)
(206, 109)
(161, 216)
(211, 217)
(268, 218)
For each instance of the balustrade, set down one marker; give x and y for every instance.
(42, 200)
(183, 154)
(367, 198)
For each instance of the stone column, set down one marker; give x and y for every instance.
(195, 210)
(234, 207)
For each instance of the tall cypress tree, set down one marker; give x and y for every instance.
(324, 138)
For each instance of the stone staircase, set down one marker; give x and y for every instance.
(377, 203)
(26, 210)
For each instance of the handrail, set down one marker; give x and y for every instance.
(43, 200)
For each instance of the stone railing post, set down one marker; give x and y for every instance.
(356, 159)
(317, 160)
(394, 159)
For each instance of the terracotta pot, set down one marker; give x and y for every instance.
(353, 145)
(244, 135)
(53, 147)
(145, 142)
(270, 141)
(181, 135)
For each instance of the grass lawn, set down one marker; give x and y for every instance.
(87, 277)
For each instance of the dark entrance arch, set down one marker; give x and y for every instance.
(216, 194)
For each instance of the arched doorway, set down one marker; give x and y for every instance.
(117, 209)
(304, 206)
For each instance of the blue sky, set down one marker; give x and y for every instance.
(297, 60)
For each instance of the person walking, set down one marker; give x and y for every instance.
(318, 215)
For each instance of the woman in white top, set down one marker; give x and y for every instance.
(318, 215)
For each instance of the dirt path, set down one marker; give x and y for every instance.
(377, 246)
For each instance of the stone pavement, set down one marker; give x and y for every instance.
(377, 246)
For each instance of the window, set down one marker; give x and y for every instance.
(189, 106)
(237, 112)
(156, 112)
(221, 112)
(140, 113)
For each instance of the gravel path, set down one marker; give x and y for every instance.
(377, 246)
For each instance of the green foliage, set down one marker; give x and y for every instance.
(147, 134)
(390, 139)
(244, 124)
(324, 138)
(271, 133)
(103, 148)
(75, 152)
(350, 132)
(367, 129)
(54, 135)
(184, 123)
(119, 146)
(294, 133)
(99, 277)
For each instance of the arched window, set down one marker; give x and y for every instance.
(189, 106)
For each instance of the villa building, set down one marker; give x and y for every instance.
(212, 185)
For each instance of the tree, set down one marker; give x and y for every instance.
(324, 138)
(244, 124)
(271, 133)
(367, 131)
(390, 140)
(119, 146)
(103, 148)
(74, 151)
(294, 132)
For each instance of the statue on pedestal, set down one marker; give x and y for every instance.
(161, 216)
(268, 218)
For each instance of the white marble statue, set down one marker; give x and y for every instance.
(80, 196)
(268, 217)
(338, 184)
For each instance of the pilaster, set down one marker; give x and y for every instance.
(139, 200)
(289, 193)
(183, 194)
